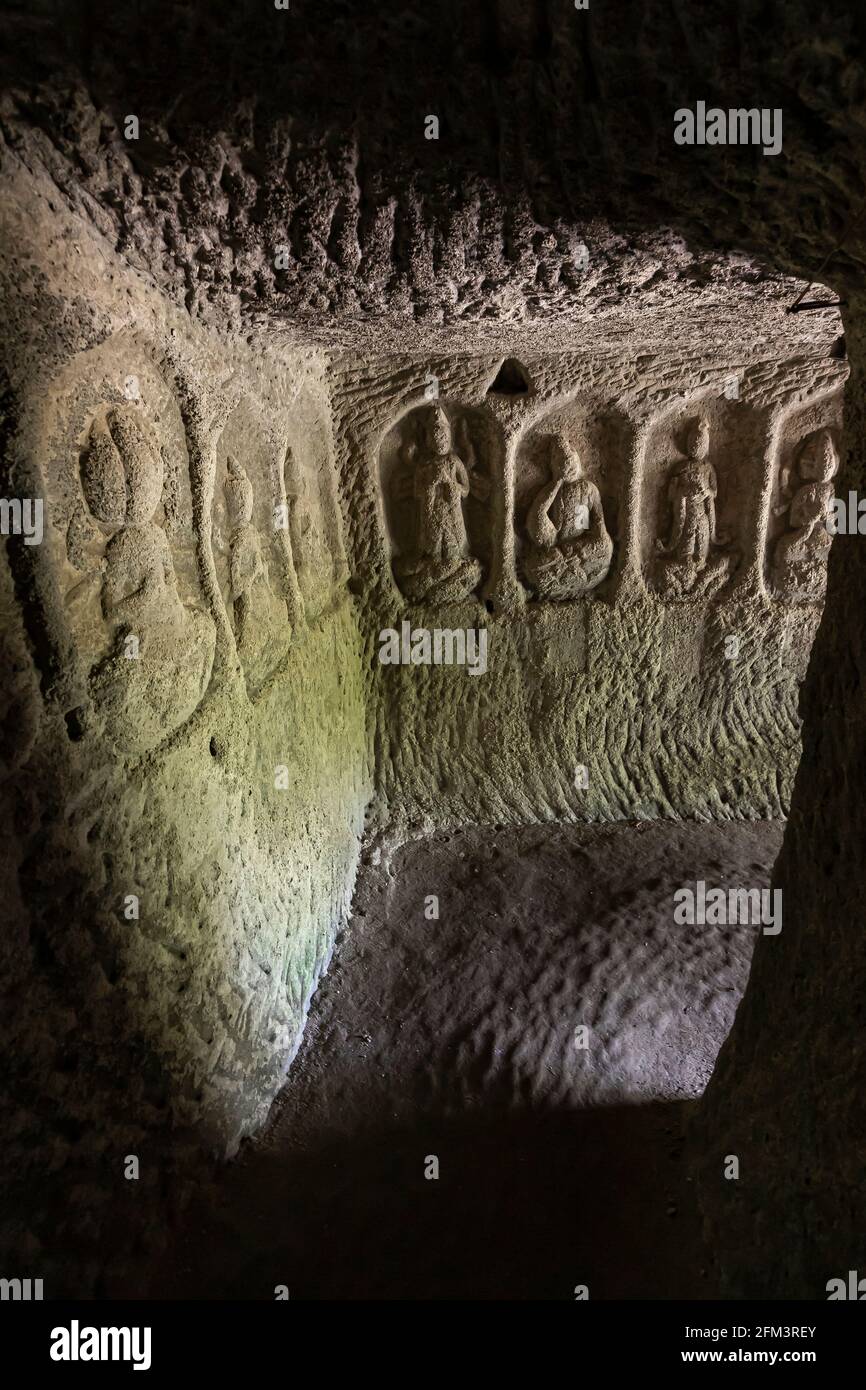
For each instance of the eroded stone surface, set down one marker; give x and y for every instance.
(661, 657)
(228, 533)
(787, 1093)
(456, 1035)
(185, 761)
(305, 134)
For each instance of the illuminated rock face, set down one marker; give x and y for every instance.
(209, 724)
(185, 757)
(504, 395)
(617, 533)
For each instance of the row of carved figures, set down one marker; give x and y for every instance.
(567, 549)
(157, 648)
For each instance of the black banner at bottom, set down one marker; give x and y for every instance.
(161, 1339)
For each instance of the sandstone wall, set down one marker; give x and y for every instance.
(787, 1093)
(611, 652)
(184, 757)
(306, 130)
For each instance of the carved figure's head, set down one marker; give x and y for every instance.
(239, 493)
(439, 431)
(565, 461)
(698, 445)
(121, 469)
(818, 459)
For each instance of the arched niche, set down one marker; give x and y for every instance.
(803, 485)
(306, 472)
(700, 495)
(250, 547)
(440, 475)
(595, 436)
(116, 470)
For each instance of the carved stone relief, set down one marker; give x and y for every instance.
(307, 534)
(798, 570)
(692, 559)
(698, 504)
(437, 493)
(568, 475)
(693, 556)
(159, 648)
(568, 549)
(250, 536)
(315, 526)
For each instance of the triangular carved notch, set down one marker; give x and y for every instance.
(512, 379)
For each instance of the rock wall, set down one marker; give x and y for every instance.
(307, 130)
(634, 541)
(185, 767)
(787, 1094)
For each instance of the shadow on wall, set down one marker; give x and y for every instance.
(506, 80)
(182, 820)
(528, 1207)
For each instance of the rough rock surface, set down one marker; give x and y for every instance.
(455, 1036)
(645, 692)
(305, 130)
(185, 764)
(539, 931)
(788, 1092)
